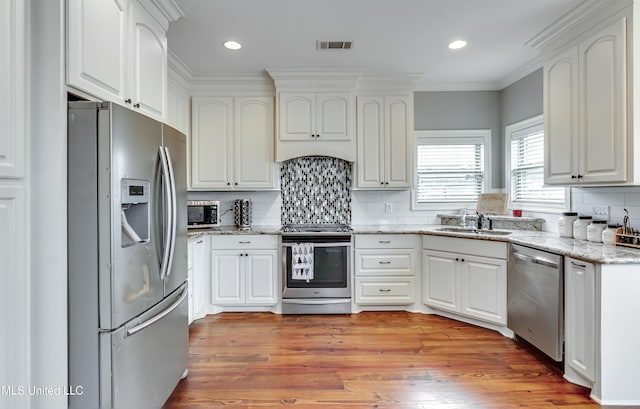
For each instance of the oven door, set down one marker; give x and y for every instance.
(331, 270)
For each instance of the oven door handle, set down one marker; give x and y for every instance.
(319, 301)
(347, 244)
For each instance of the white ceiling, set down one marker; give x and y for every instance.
(389, 36)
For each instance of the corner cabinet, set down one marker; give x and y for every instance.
(244, 270)
(231, 144)
(471, 282)
(117, 51)
(384, 139)
(586, 106)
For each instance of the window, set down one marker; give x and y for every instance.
(525, 160)
(451, 167)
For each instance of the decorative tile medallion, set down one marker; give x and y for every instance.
(316, 189)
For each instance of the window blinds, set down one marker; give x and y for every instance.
(449, 172)
(527, 168)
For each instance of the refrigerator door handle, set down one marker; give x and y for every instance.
(167, 216)
(174, 206)
(159, 316)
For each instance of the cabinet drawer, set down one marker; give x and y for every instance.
(385, 241)
(474, 247)
(245, 242)
(385, 290)
(372, 262)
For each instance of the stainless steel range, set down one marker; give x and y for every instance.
(316, 268)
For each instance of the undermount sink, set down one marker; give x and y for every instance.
(473, 231)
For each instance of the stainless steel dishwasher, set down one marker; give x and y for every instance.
(535, 298)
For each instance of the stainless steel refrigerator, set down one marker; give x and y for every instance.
(127, 254)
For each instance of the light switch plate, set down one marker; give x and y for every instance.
(388, 208)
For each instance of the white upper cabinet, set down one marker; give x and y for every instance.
(315, 123)
(586, 106)
(232, 143)
(148, 63)
(97, 47)
(315, 113)
(254, 138)
(385, 127)
(117, 51)
(178, 107)
(312, 116)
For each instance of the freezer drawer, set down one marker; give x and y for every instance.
(141, 365)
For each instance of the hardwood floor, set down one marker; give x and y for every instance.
(367, 360)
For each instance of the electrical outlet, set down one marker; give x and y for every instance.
(600, 212)
(388, 208)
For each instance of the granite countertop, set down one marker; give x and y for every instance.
(221, 230)
(579, 249)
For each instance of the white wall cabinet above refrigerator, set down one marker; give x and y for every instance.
(232, 144)
(117, 51)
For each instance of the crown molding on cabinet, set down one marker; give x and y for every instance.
(163, 11)
(571, 19)
(330, 79)
(389, 83)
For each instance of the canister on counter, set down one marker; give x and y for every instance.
(565, 224)
(594, 230)
(609, 234)
(580, 227)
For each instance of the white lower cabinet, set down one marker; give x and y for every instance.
(580, 317)
(197, 271)
(466, 283)
(244, 270)
(385, 272)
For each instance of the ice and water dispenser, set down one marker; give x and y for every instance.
(134, 214)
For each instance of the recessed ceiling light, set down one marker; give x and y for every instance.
(233, 45)
(456, 45)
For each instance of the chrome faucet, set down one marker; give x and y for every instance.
(480, 221)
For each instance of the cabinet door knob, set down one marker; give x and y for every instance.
(228, 183)
(462, 260)
(579, 176)
(137, 105)
(127, 101)
(386, 183)
(457, 259)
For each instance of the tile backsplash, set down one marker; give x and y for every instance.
(616, 198)
(316, 189)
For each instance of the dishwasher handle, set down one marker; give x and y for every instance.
(535, 260)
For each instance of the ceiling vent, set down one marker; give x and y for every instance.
(334, 45)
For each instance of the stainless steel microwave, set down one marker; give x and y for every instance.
(203, 213)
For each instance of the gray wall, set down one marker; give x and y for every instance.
(482, 110)
(464, 110)
(522, 99)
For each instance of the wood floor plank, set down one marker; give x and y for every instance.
(376, 360)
